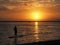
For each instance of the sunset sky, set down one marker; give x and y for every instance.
(29, 10)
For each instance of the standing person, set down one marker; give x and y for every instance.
(15, 33)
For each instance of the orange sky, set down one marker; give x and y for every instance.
(23, 12)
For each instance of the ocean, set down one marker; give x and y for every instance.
(30, 31)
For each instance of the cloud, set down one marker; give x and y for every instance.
(2, 8)
(19, 5)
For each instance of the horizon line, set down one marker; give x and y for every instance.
(29, 21)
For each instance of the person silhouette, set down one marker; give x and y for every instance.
(15, 31)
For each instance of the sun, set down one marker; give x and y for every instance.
(35, 15)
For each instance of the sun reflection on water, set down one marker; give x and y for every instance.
(36, 31)
(36, 27)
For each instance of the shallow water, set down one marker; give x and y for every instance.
(31, 31)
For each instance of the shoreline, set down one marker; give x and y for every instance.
(51, 42)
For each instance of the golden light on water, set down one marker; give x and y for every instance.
(36, 31)
(36, 23)
(36, 27)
